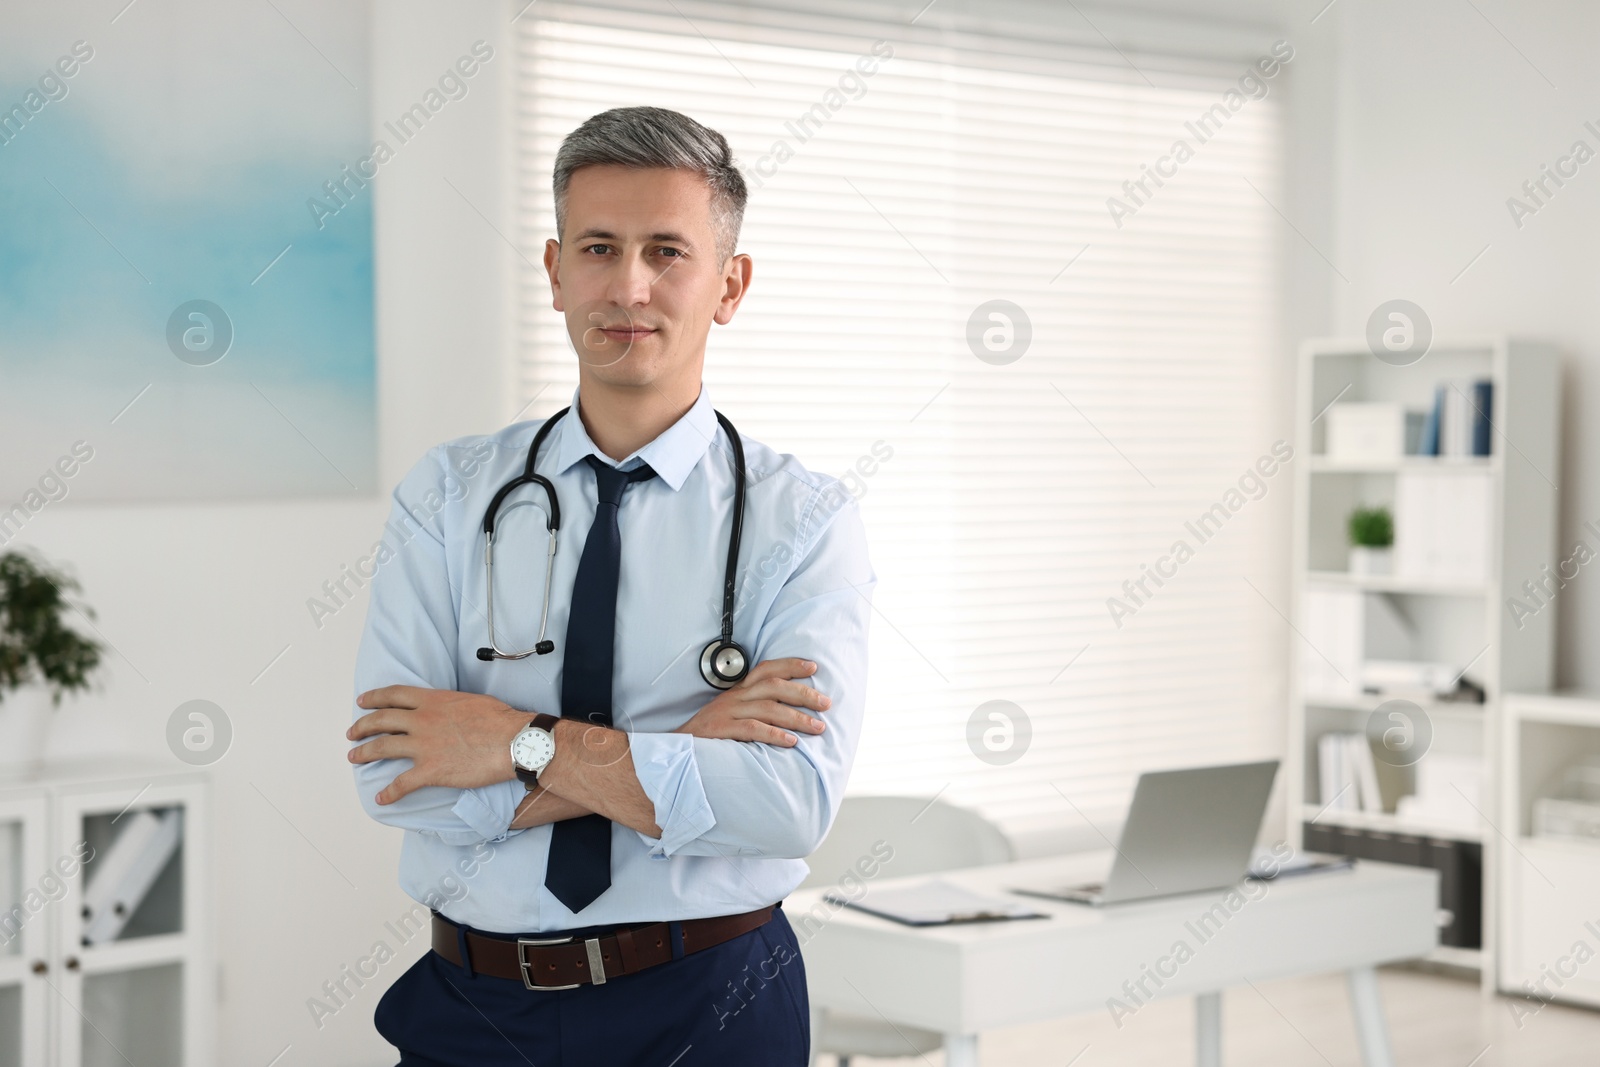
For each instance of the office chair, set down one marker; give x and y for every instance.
(926, 838)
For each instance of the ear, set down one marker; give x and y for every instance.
(735, 284)
(552, 266)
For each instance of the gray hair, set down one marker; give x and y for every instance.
(657, 137)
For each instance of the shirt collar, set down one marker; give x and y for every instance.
(673, 453)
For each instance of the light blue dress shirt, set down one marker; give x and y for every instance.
(736, 817)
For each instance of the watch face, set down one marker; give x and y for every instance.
(533, 748)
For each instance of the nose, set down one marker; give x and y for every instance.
(631, 282)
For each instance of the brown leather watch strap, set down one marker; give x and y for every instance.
(572, 962)
(544, 721)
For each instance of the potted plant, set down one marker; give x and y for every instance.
(1371, 541)
(40, 656)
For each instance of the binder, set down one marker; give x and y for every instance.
(1265, 867)
(1441, 526)
(1334, 784)
(119, 880)
(1459, 863)
(936, 903)
(1469, 893)
(1318, 838)
(1350, 842)
(1430, 425)
(1483, 402)
(1335, 626)
(1455, 427)
(1366, 771)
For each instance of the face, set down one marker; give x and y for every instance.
(637, 275)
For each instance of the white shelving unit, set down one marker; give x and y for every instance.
(146, 995)
(1548, 886)
(1465, 623)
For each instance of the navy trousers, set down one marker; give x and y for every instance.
(741, 1002)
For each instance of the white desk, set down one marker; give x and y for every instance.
(967, 978)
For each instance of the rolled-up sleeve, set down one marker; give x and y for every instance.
(718, 797)
(410, 639)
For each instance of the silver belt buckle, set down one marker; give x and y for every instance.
(591, 945)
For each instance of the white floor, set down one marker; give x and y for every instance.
(1434, 1021)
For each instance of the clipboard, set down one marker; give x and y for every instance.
(936, 903)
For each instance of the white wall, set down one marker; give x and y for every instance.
(198, 598)
(1443, 113)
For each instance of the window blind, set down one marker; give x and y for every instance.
(973, 165)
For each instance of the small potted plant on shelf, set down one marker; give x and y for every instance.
(1371, 541)
(40, 656)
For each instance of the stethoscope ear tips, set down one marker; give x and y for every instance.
(543, 648)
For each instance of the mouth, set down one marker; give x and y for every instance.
(626, 333)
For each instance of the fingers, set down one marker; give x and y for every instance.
(801, 696)
(789, 667)
(389, 746)
(777, 713)
(771, 711)
(379, 722)
(405, 783)
(391, 696)
(756, 730)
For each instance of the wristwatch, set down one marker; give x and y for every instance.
(534, 747)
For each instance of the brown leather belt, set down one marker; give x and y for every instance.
(567, 962)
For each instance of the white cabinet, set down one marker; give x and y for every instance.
(1549, 921)
(22, 936)
(142, 990)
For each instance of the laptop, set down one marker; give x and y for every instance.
(1188, 831)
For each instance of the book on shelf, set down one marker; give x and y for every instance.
(1347, 774)
(1483, 405)
(1458, 422)
(1360, 750)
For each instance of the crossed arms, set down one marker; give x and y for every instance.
(463, 740)
(729, 781)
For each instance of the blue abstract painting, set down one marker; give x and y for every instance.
(170, 303)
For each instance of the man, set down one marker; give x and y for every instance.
(656, 843)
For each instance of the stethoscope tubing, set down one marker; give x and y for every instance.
(711, 660)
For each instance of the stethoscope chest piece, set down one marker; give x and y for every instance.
(723, 664)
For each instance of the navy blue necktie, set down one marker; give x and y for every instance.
(579, 865)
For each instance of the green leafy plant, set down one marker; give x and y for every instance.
(35, 644)
(1371, 528)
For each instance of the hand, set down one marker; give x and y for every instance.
(757, 708)
(453, 739)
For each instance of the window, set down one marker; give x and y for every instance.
(974, 164)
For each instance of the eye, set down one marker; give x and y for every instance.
(603, 248)
(677, 253)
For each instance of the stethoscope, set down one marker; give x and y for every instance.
(723, 663)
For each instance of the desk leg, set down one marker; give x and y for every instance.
(1372, 1033)
(1208, 1030)
(961, 1050)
